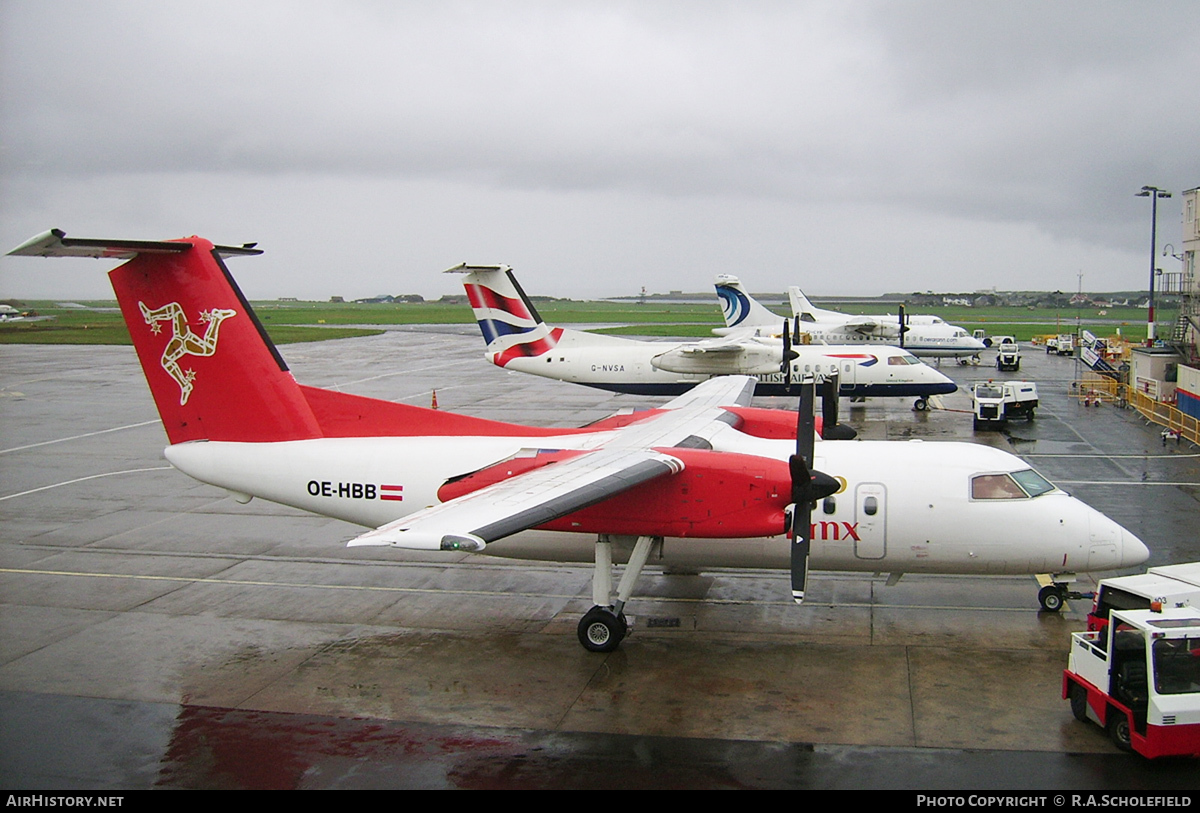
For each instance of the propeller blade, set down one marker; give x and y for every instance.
(800, 548)
(903, 328)
(800, 467)
(801, 524)
(785, 363)
(830, 428)
(808, 486)
(806, 422)
(796, 329)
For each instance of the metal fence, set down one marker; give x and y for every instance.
(1096, 389)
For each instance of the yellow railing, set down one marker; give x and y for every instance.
(1093, 387)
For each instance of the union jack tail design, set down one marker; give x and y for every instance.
(510, 323)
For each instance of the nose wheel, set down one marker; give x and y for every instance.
(1054, 594)
(921, 404)
(1052, 598)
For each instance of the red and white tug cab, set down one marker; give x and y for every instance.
(1139, 678)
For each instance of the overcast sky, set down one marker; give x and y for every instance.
(601, 147)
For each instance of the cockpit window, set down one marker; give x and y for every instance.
(903, 358)
(995, 487)
(1034, 484)
(1018, 485)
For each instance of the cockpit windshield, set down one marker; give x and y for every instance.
(1017, 485)
(1034, 484)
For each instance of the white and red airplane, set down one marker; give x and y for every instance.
(518, 339)
(703, 481)
(922, 336)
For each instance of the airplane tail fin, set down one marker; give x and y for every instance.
(800, 305)
(213, 371)
(511, 325)
(739, 308)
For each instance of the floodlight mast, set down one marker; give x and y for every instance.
(1154, 193)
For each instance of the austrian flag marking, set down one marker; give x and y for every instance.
(394, 493)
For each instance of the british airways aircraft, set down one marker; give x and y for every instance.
(703, 481)
(518, 339)
(923, 336)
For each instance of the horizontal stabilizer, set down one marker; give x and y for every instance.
(55, 243)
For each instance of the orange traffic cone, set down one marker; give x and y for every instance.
(434, 404)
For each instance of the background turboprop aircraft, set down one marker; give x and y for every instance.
(925, 336)
(518, 339)
(703, 480)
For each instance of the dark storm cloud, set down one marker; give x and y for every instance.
(701, 134)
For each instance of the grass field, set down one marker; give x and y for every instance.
(289, 322)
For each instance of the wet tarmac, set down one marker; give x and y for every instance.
(156, 634)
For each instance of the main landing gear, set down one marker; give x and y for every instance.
(921, 404)
(603, 627)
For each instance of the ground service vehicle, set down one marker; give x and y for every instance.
(994, 402)
(1172, 586)
(1008, 354)
(1062, 345)
(1139, 679)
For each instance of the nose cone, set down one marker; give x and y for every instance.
(974, 344)
(1133, 550)
(1112, 544)
(942, 384)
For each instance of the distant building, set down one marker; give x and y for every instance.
(1189, 286)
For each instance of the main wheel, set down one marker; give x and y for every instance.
(1118, 730)
(1078, 697)
(602, 630)
(1051, 598)
(920, 405)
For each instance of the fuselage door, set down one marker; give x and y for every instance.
(870, 514)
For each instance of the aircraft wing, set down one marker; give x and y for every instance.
(623, 459)
(525, 501)
(723, 391)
